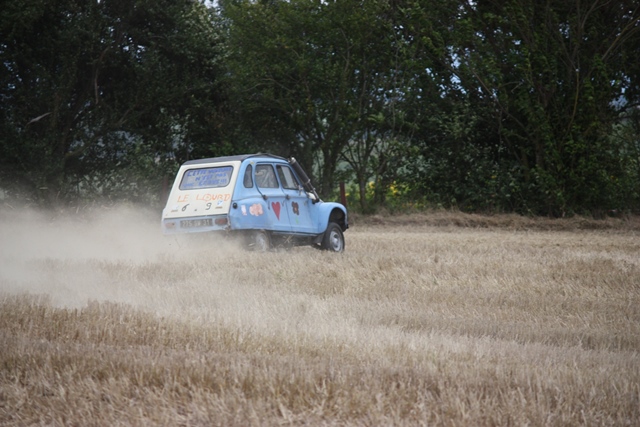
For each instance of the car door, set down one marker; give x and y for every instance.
(297, 203)
(274, 197)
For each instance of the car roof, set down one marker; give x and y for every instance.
(240, 158)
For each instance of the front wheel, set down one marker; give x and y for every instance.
(333, 239)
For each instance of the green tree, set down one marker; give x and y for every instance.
(441, 150)
(308, 75)
(88, 85)
(552, 75)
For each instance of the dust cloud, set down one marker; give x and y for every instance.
(76, 258)
(120, 256)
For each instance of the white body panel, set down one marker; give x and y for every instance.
(195, 202)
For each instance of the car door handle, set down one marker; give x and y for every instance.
(287, 197)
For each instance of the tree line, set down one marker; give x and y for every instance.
(485, 105)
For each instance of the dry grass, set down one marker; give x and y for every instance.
(500, 321)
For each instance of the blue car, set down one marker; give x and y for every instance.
(267, 200)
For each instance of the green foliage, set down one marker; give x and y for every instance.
(550, 75)
(83, 84)
(305, 76)
(483, 106)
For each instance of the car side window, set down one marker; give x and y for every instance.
(266, 177)
(248, 177)
(287, 178)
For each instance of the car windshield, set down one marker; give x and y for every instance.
(213, 177)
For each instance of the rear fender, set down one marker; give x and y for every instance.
(250, 214)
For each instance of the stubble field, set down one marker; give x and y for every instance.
(439, 319)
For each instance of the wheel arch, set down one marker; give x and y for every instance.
(339, 216)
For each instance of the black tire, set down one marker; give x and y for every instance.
(333, 239)
(259, 241)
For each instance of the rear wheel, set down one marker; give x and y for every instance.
(259, 241)
(333, 239)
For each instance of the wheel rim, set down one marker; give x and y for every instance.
(261, 241)
(335, 241)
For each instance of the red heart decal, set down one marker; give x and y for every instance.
(276, 209)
